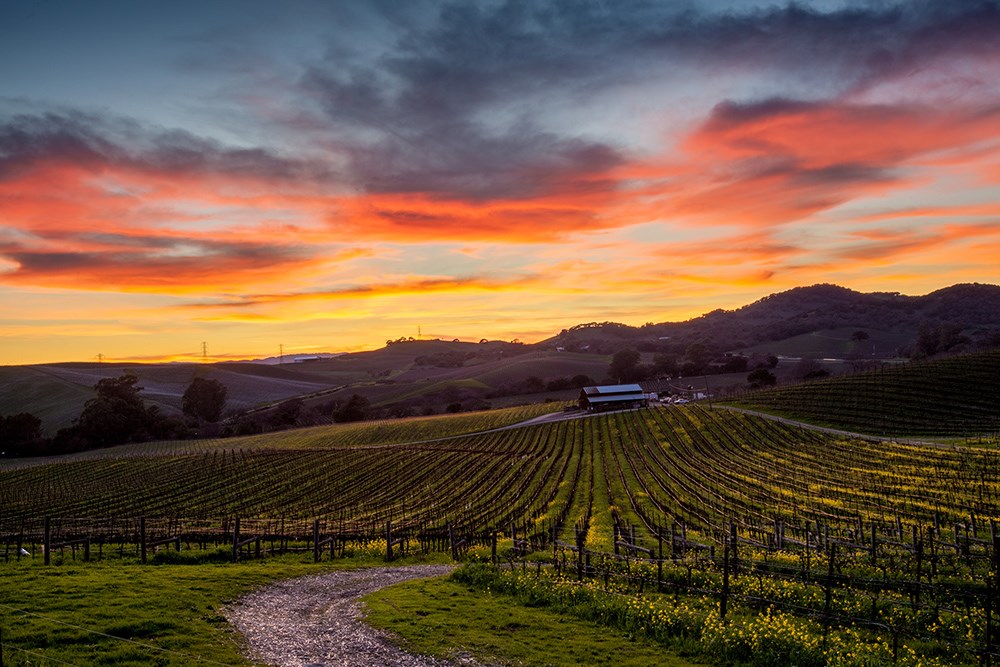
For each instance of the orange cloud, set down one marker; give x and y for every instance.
(780, 161)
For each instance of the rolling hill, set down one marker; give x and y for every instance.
(888, 318)
(428, 375)
(955, 396)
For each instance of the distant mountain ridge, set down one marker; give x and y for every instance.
(974, 307)
(816, 321)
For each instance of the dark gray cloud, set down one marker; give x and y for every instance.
(88, 139)
(424, 110)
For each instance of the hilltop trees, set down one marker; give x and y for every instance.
(356, 409)
(761, 377)
(115, 416)
(204, 399)
(20, 434)
(624, 365)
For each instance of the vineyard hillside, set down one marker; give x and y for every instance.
(644, 468)
(957, 396)
(695, 518)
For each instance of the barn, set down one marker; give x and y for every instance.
(612, 397)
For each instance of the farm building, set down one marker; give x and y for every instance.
(612, 397)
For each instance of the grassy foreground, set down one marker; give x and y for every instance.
(447, 619)
(123, 614)
(128, 614)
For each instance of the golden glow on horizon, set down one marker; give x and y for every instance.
(353, 209)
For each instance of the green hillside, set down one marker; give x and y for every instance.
(957, 396)
(419, 374)
(55, 393)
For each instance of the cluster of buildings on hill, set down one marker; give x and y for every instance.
(624, 396)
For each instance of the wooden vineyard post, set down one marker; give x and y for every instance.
(732, 544)
(724, 602)
(142, 538)
(493, 548)
(580, 539)
(315, 540)
(933, 535)
(388, 541)
(48, 540)
(451, 542)
(1, 647)
(874, 550)
(829, 591)
(659, 561)
(236, 540)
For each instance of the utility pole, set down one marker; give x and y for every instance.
(281, 353)
(204, 352)
(100, 358)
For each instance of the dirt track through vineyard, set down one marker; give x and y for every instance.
(316, 621)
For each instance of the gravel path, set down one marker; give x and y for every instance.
(316, 621)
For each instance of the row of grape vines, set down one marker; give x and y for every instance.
(956, 396)
(338, 436)
(654, 468)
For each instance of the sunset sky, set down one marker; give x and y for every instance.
(329, 175)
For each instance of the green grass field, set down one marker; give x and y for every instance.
(448, 620)
(123, 614)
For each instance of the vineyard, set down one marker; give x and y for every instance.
(650, 468)
(683, 500)
(959, 396)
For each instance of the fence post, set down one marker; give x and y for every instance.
(142, 538)
(874, 547)
(388, 541)
(236, 540)
(829, 588)
(732, 544)
(659, 561)
(724, 602)
(48, 539)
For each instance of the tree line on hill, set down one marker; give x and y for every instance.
(118, 415)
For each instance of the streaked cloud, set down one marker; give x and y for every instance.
(548, 161)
